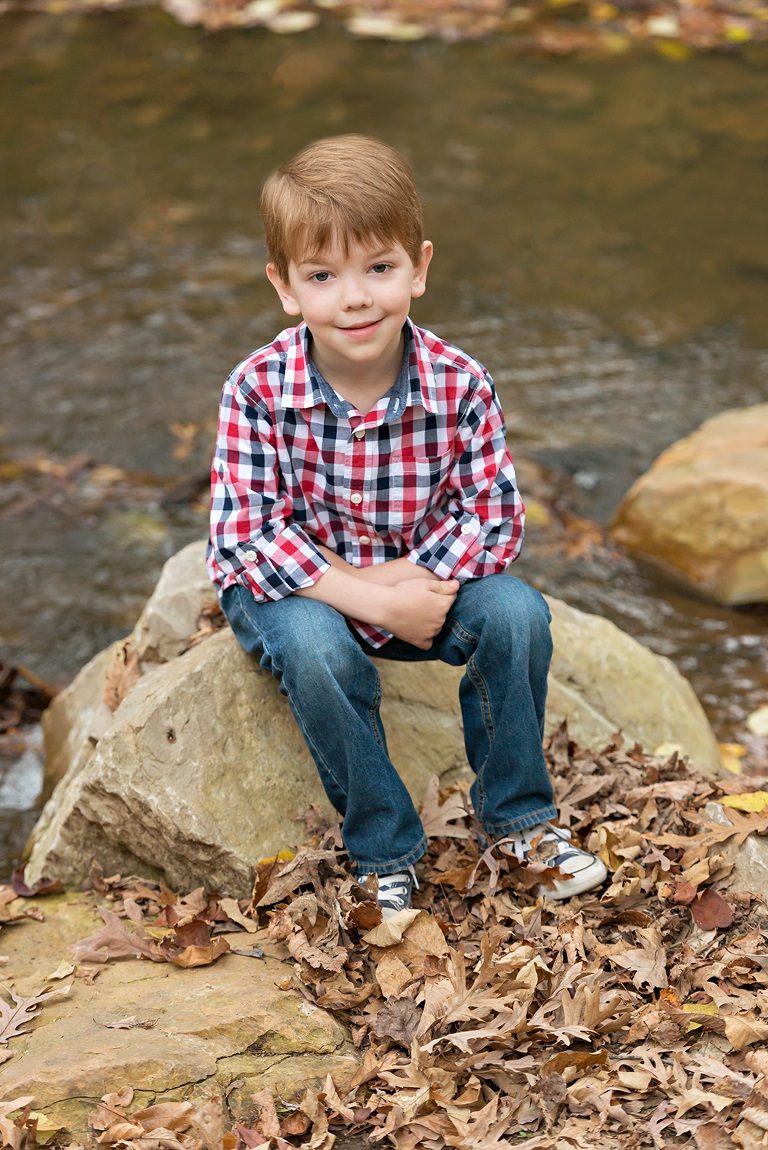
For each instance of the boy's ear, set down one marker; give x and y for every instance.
(287, 298)
(420, 270)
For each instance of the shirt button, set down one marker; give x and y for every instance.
(467, 529)
(357, 499)
(365, 539)
(359, 433)
(251, 555)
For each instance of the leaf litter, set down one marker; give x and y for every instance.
(488, 1018)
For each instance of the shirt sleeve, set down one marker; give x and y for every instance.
(478, 529)
(253, 540)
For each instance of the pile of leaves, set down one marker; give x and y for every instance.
(557, 27)
(488, 1016)
(635, 1016)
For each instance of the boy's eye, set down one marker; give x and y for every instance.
(379, 268)
(321, 277)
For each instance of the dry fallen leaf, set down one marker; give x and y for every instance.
(122, 674)
(711, 911)
(391, 932)
(742, 1030)
(131, 1023)
(24, 1010)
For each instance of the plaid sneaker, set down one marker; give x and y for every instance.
(395, 891)
(555, 849)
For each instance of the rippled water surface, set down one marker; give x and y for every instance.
(601, 244)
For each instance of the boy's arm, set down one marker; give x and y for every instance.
(479, 529)
(254, 541)
(414, 610)
(386, 574)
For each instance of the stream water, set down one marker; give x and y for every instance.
(601, 244)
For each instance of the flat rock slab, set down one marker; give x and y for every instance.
(213, 1025)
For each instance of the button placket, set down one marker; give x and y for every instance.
(358, 477)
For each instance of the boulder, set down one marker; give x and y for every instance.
(700, 514)
(202, 771)
(224, 1030)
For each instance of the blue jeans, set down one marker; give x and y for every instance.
(498, 627)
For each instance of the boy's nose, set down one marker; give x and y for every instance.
(355, 294)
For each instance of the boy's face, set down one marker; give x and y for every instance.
(354, 305)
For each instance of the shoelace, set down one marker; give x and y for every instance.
(395, 889)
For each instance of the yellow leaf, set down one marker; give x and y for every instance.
(752, 801)
(730, 756)
(283, 856)
(45, 1125)
(757, 722)
(700, 1007)
(672, 49)
(737, 33)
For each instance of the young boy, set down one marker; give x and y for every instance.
(364, 503)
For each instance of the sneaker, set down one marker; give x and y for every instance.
(556, 849)
(394, 891)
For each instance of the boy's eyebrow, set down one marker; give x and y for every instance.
(318, 259)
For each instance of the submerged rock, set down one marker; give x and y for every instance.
(701, 513)
(202, 771)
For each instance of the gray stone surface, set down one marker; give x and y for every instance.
(202, 771)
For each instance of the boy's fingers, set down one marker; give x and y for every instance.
(450, 586)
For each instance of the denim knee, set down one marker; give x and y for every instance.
(314, 652)
(300, 638)
(508, 605)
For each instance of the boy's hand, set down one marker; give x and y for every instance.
(416, 609)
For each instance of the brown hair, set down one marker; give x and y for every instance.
(341, 188)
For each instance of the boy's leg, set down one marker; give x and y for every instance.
(499, 627)
(334, 692)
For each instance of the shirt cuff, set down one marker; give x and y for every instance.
(281, 562)
(450, 547)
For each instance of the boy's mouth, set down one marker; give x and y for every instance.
(360, 329)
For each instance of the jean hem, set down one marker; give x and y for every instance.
(391, 866)
(498, 830)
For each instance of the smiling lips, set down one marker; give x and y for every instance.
(360, 330)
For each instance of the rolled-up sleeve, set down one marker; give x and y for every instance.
(253, 541)
(478, 528)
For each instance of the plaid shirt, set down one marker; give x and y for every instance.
(425, 474)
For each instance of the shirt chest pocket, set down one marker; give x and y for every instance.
(415, 484)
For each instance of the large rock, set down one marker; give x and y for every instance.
(701, 513)
(202, 770)
(222, 1030)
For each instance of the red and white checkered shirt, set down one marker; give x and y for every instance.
(426, 474)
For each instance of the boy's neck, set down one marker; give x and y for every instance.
(362, 385)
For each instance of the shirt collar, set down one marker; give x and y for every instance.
(302, 386)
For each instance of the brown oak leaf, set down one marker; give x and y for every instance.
(399, 1019)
